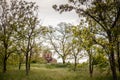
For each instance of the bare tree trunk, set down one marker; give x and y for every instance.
(75, 64)
(27, 66)
(30, 58)
(112, 59)
(5, 55)
(63, 59)
(20, 65)
(90, 64)
(27, 55)
(112, 65)
(4, 64)
(20, 62)
(118, 55)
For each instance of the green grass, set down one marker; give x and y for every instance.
(40, 72)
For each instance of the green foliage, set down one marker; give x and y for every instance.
(82, 65)
(40, 60)
(13, 59)
(18, 29)
(58, 65)
(100, 61)
(61, 65)
(79, 67)
(19, 32)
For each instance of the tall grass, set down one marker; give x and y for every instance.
(40, 72)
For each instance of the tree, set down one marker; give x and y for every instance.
(37, 50)
(18, 23)
(7, 30)
(84, 42)
(28, 29)
(105, 13)
(60, 40)
(99, 58)
(77, 48)
(76, 52)
(118, 52)
(87, 44)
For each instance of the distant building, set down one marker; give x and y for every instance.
(48, 58)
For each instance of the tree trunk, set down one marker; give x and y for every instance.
(27, 56)
(118, 55)
(90, 64)
(20, 62)
(27, 64)
(30, 59)
(112, 65)
(5, 58)
(75, 64)
(63, 59)
(4, 64)
(112, 59)
(20, 65)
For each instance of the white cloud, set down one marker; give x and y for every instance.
(50, 17)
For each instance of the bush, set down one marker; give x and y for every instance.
(50, 66)
(79, 67)
(34, 61)
(59, 65)
(38, 60)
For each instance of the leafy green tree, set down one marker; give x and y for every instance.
(100, 58)
(27, 29)
(76, 50)
(106, 13)
(84, 42)
(7, 30)
(37, 50)
(76, 53)
(87, 44)
(18, 23)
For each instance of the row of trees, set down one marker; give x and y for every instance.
(97, 35)
(19, 29)
(102, 16)
(74, 42)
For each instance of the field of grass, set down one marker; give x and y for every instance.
(41, 72)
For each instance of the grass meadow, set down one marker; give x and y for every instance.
(46, 72)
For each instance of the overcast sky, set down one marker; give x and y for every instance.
(49, 16)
